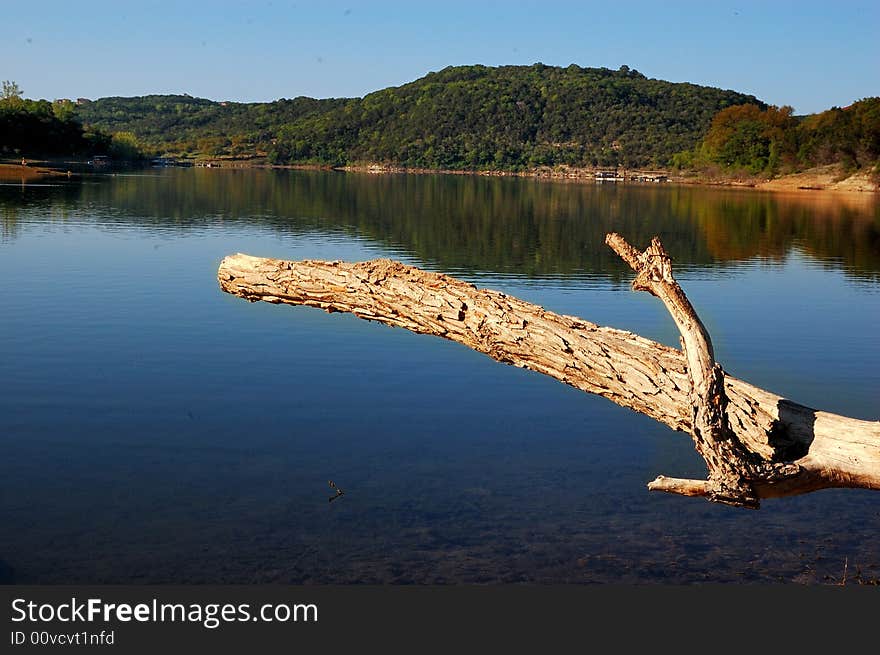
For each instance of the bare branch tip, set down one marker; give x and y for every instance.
(681, 486)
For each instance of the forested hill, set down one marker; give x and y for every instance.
(464, 117)
(184, 125)
(513, 117)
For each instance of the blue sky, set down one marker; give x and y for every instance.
(811, 55)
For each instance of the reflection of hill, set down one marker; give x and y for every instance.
(494, 224)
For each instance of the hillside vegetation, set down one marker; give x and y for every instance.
(510, 118)
(771, 141)
(184, 125)
(464, 117)
(39, 127)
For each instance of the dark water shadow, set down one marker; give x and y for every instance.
(792, 434)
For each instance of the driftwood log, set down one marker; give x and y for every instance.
(756, 444)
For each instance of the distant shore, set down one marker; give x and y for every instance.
(825, 178)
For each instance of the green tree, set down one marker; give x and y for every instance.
(10, 96)
(748, 137)
(849, 135)
(125, 145)
(10, 91)
(64, 110)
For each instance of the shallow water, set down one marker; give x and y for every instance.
(157, 430)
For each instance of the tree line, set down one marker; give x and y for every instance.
(33, 128)
(462, 117)
(510, 118)
(184, 126)
(771, 140)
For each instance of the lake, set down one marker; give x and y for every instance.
(157, 430)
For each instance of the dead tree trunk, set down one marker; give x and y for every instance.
(756, 444)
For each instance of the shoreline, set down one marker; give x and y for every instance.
(825, 180)
(29, 173)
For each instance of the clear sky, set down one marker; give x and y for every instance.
(811, 55)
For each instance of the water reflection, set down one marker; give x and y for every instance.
(479, 224)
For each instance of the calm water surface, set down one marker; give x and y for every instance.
(157, 430)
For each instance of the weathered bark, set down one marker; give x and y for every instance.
(756, 444)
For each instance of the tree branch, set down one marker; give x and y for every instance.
(731, 465)
(756, 444)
